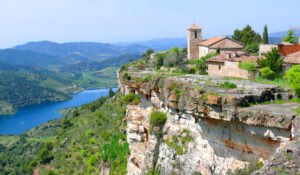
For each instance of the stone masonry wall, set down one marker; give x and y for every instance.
(229, 69)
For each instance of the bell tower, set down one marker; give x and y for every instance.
(194, 37)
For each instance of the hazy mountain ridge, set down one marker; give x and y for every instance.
(27, 57)
(158, 44)
(87, 50)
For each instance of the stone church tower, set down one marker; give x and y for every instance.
(194, 37)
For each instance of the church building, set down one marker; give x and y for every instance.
(198, 48)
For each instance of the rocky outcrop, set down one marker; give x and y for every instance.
(209, 128)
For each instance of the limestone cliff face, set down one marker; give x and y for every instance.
(209, 129)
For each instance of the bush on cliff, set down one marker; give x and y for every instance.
(131, 98)
(157, 118)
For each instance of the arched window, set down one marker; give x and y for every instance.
(219, 67)
(195, 34)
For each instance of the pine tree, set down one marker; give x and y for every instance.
(111, 93)
(265, 35)
(290, 37)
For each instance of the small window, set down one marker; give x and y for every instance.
(195, 34)
(219, 67)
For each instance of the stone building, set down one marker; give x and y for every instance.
(290, 60)
(198, 48)
(284, 48)
(227, 65)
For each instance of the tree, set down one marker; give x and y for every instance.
(111, 93)
(66, 123)
(247, 35)
(45, 154)
(146, 56)
(293, 76)
(265, 35)
(290, 38)
(273, 60)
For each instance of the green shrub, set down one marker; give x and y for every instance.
(130, 98)
(249, 66)
(273, 60)
(45, 154)
(158, 118)
(266, 72)
(228, 85)
(83, 153)
(92, 160)
(293, 76)
(192, 71)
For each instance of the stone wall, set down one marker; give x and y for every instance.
(229, 69)
(224, 136)
(264, 48)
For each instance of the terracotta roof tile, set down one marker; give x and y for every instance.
(293, 58)
(194, 27)
(212, 41)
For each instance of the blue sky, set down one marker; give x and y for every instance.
(133, 20)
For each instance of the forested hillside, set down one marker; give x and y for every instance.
(24, 85)
(73, 144)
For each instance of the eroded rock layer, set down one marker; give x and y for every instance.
(209, 129)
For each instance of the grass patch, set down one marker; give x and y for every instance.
(277, 81)
(228, 85)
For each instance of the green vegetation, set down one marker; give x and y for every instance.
(293, 76)
(115, 152)
(93, 136)
(265, 38)
(201, 64)
(297, 110)
(273, 60)
(249, 66)
(178, 140)
(174, 57)
(25, 87)
(131, 98)
(290, 38)
(146, 56)
(228, 85)
(157, 119)
(267, 73)
(249, 37)
(277, 81)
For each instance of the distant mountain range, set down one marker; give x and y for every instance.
(81, 50)
(159, 44)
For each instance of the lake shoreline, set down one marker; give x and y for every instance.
(34, 115)
(55, 101)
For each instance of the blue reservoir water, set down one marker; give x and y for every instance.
(34, 115)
